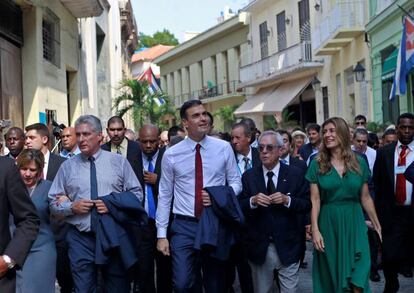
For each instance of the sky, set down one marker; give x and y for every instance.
(179, 16)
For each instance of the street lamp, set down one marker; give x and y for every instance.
(316, 84)
(359, 72)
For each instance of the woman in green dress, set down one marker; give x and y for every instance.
(338, 178)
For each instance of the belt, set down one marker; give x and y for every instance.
(185, 218)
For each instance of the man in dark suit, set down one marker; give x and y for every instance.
(312, 147)
(120, 144)
(14, 200)
(14, 141)
(393, 200)
(37, 138)
(149, 163)
(247, 157)
(273, 196)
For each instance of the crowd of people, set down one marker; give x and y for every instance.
(183, 210)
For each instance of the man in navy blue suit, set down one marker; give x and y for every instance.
(273, 196)
(312, 147)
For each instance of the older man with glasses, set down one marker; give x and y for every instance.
(273, 195)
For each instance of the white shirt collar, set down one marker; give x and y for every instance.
(275, 170)
(241, 156)
(410, 145)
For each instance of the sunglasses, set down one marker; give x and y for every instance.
(268, 147)
(360, 123)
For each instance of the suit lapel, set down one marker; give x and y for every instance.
(260, 179)
(390, 163)
(282, 179)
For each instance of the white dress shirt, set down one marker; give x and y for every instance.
(371, 156)
(241, 163)
(46, 166)
(275, 176)
(408, 160)
(178, 176)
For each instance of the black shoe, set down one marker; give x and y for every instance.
(374, 276)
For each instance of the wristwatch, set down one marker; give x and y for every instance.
(9, 262)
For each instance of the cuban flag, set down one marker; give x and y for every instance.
(405, 59)
(153, 86)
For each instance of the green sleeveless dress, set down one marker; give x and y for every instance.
(346, 259)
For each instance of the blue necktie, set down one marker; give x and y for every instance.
(150, 195)
(94, 192)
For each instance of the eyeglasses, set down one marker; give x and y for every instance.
(268, 147)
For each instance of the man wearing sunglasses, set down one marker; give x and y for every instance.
(360, 121)
(273, 196)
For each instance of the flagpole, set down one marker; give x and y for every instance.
(406, 12)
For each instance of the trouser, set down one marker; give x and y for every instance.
(374, 244)
(84, 270)
(63, 271)
(263, 275)
(397, 245)
(146, 239)
(187, 262)
(238, 259)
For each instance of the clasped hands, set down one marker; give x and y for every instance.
(264, 200)
(84, 206)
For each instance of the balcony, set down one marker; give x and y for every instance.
(213, 93)
(342, 24)
(84, 8)
(282, 64)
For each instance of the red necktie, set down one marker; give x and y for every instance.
(400, 190)
(198, 204)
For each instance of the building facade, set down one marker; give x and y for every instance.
(278, 67)
(384, 30)
(60, 59)
(339, 38)
(206, 67)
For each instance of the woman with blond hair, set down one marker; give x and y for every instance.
(339, 190)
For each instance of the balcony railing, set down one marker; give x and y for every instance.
(301, 52)
(344, 16)
(223, 89)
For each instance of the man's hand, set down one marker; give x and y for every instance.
(150, 178)
(206, 198)
(3, 267)
(278, 198)
(261, 199)
(100, 206)
(82, 206)
(163, 246)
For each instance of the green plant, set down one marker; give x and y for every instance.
(143, 105)
(226, 115)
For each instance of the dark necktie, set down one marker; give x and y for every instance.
(198, 203)
(400, 187)
(270, 185)
(246, 164)
(150, 195)
(94, 191)
(118, 150)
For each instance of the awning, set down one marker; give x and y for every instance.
(273, 99)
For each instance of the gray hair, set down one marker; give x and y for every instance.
(92, 121)
(277, 136)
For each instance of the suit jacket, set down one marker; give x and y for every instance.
(255, 157)
(276, 222)
(14, 200)
(133, 151)
(157, 170)
(383, 176)
(298, 163)
(53, 166)
(409, 173)
(216, 232)
(125, 210)
(305, 151)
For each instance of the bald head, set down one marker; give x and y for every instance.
(148, 137)
(68, 137)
